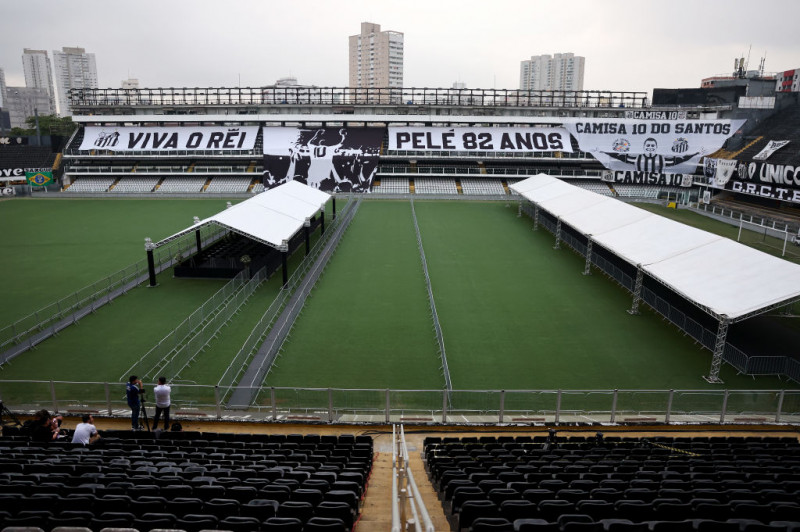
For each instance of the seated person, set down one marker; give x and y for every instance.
(44, 428)
(85, 432)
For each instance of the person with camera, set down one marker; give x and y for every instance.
(162, 392)
(133, 389)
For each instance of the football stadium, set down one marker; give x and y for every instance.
(423, 309)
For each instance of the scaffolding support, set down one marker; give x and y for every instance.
(637, 290)
(558, 235)
(587, 268)
(719, 348)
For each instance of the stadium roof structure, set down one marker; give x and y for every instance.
(726, 279)
(271, 218)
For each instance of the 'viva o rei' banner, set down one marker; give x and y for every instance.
(653, 146)
(330, 159)
(169, 138)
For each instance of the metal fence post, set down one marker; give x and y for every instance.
(330, 405)
(614, 405)
(108, 398)
(669, 406)
(388, 404)
(558, 406)
(274, 404)
(780, 407)
(502, 405)
(724, 407)
(216, 402)
(53, 395)
(444, 406)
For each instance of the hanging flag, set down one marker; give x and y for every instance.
(39, 179)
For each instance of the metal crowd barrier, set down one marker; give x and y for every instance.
(433, 407)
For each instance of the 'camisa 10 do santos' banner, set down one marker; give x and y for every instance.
(500, 139)
(330, 159)
(651, 146)
(121, 139)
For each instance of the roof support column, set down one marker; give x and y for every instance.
(308, 239)
(719, 348)
(198, 241)
(151, 264)
(334, 207)
(587, 268)
(535, 217)
(285, 266)
(637, 290)
(322, 222)
(558, 235)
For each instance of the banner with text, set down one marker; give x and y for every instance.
(330, 159)
(18, 174)
(652, 146)
(771, 147)
(775, 181)
(499, 139)
(628, 177)
(122, 139)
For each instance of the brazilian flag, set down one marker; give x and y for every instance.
(39, 179)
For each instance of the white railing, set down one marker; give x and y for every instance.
(434, 407)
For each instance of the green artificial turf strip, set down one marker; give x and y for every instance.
(517, 314)
(54, 247)
(105, 344)
(367, 323)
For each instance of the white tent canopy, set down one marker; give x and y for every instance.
(272, 217)
(728, 280)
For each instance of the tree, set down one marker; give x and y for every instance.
(48, 125)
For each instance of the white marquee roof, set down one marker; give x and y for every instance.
(723, 277)
(272, 217)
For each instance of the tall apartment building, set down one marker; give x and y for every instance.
(376, 58)
(25, 102)
(2, 88)
(563, 72)
(39, 73)
(74, 69)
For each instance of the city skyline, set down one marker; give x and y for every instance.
(250, 43)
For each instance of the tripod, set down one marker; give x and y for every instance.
(6, 413)
(143, 412)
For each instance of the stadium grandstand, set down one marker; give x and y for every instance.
(422, 361)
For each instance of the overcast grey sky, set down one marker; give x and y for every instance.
(629, 46)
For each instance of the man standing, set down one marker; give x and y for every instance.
(133, 389)
(162, 392)
(85, 432)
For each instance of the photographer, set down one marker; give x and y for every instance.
(162, 393)
(132, 390)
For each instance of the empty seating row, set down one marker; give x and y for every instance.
(435, 185)
(391, 185)
(229, 184)
(91, 184)
(642, 481)
(189, 481)
(135, 184)
(482, 186)
(184, 184)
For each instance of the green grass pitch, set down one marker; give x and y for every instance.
(515, 313)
